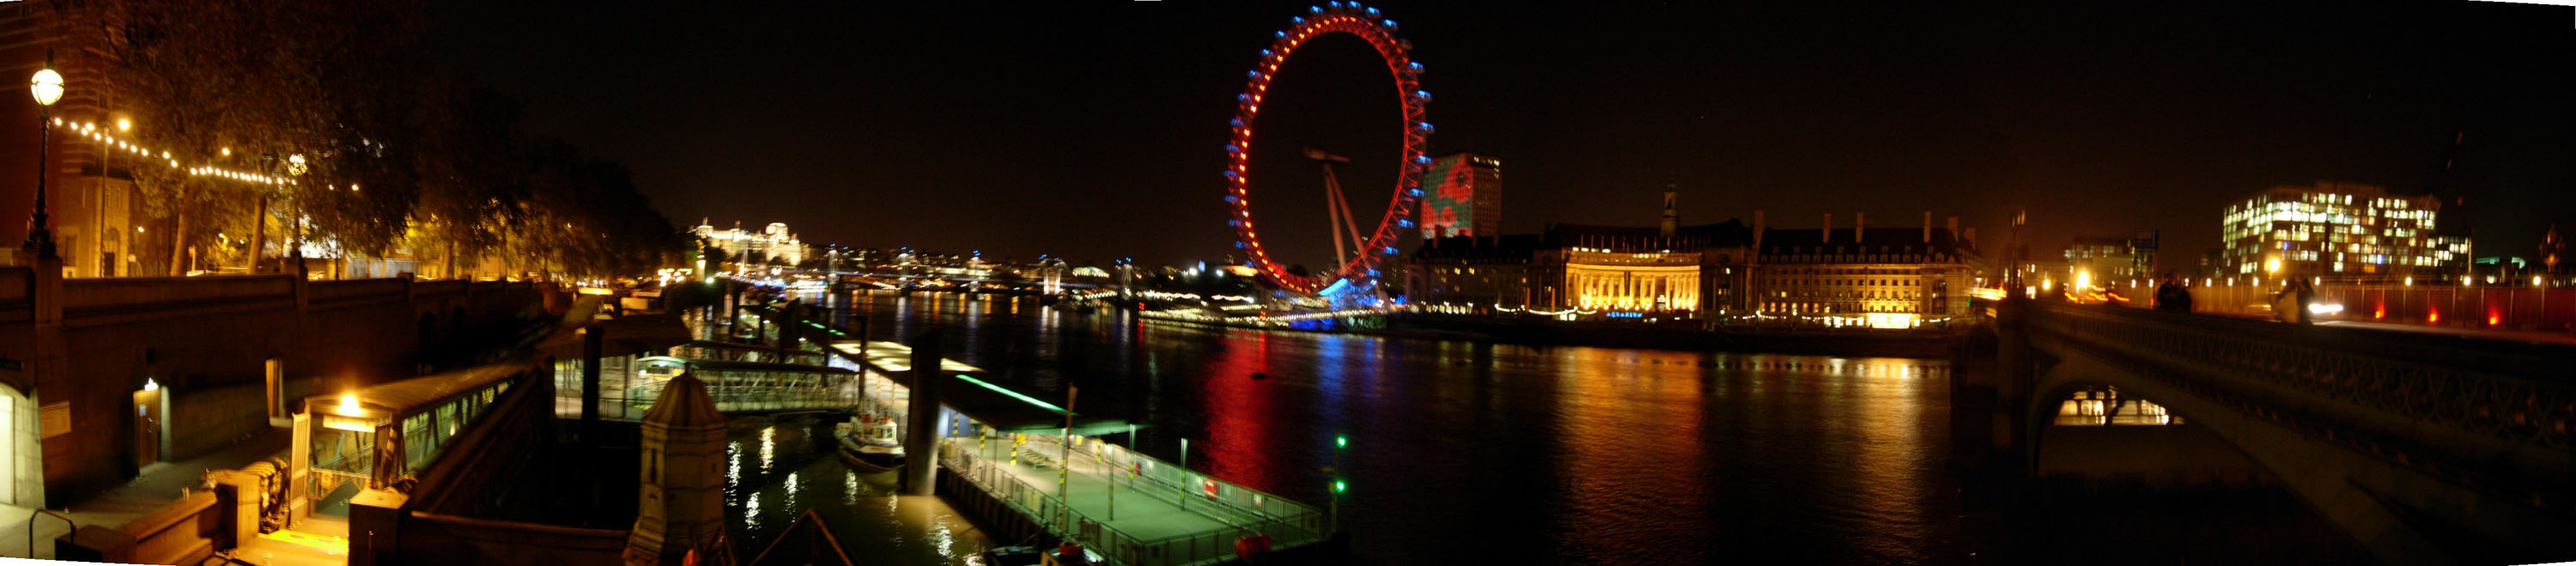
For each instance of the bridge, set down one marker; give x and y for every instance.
(2425, 449)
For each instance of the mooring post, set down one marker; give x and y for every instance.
(592, 342)
(921, 418)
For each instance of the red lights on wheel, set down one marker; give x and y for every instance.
(1366, 24)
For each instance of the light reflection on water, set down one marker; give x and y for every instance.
(862, 510)
(1591, 455)
(768, 447)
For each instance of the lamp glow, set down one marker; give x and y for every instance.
(47, 86)
(349, 404)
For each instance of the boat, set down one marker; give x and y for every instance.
(868, 443)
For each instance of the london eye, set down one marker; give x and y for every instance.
(1361, 256)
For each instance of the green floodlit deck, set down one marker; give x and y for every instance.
(1131, 508)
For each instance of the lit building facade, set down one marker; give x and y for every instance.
(2112, 257)
(774, 243)
(1585, 268)
(1885, 277)
(1888, 277)
(1478, 272)
(1666, 270)
(2338, 230)
(1465, 197)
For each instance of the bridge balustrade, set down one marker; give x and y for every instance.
(2495, 416)
(96, 293)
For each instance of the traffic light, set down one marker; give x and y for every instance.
(1341, 441)
(1341, 486)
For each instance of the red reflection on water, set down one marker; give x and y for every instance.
(1239, 447)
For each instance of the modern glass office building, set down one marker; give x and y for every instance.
(2340, 231)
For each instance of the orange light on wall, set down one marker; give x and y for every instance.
(2492, 318)
(2433, 317)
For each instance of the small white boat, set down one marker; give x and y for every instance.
(869, 443)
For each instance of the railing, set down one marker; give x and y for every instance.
(735, 397)
(747, 353)
(2494, 415)
(2503, 306)
(359, 289)
(1244, 510)
(438, 287)
(131, 291)
(68, 526)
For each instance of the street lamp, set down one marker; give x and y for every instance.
(48, 88)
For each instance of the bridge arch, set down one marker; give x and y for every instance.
(2320, 474)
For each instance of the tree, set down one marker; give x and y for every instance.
(252, 85)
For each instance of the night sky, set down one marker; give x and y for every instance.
(1095, 130)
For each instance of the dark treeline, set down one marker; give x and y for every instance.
(384, 155)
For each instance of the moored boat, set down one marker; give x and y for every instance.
(869, 444)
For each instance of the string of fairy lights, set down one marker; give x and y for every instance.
(108, 138)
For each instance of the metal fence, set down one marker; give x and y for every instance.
(1244, 510)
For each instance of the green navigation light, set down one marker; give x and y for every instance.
(1341, 441)
(1341, 486)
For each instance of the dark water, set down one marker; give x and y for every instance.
(1462, 451)
(781, 470)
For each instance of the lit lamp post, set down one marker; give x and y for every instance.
(48, 88)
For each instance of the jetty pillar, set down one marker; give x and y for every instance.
(921, 418)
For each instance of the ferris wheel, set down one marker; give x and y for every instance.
(1365, 23)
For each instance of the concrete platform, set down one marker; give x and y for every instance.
(1145, 509)
(159, 484)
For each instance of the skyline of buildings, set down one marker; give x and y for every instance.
(1887, 277)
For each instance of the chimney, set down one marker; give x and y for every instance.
(1970, 236)
(1954, 228)
(1828, 232)
(1927, 225)
(1859, 219)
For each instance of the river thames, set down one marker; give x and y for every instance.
(1459, 450)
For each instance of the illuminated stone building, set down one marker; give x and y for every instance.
(1886, 277)
(1475, 272)
(775, 243)
(2338, 230)
(1578, 268)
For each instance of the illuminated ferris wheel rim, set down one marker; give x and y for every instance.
(1365, 23)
